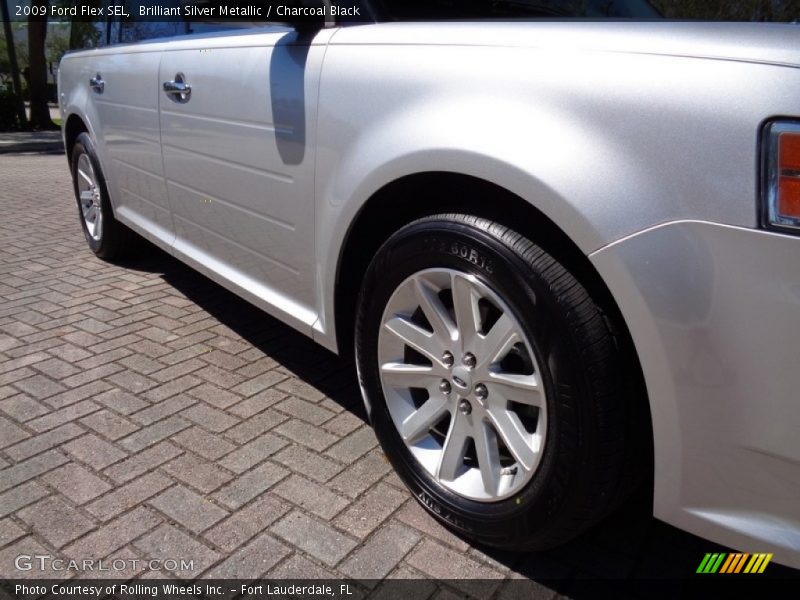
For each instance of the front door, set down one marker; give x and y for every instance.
(238, 120)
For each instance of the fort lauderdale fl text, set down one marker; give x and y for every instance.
(262, 12)
(168, 589)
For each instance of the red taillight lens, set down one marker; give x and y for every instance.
(789, 151)
(789, 197)
(782, 172)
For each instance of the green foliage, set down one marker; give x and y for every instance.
(5, 64)
(730, 10)
(57, 42)
(9, 118)
(21, 48)
(85, 34)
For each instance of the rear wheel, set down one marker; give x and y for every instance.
(106, 236)
(493, 382)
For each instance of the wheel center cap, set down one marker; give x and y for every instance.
(463, 379)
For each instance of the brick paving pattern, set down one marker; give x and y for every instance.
(145, 412)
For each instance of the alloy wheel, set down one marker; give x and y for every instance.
(462, 384)
(89, 197)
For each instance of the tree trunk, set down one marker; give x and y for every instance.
(37, 75)
(13, 64)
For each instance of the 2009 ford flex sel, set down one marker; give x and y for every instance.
(565, 254)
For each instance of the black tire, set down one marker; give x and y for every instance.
(582, 474)
(115, 239)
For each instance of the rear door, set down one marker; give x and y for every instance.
(238, 116)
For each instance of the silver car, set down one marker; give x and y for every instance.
(565, 254)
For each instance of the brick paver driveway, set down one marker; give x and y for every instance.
(147, 413)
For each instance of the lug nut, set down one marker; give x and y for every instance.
(444, 386)
(447, 359)
(481, 392)
(465, 407)
(469, 360)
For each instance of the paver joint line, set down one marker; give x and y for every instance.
(147, 412)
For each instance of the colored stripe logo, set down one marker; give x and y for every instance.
(736, 562)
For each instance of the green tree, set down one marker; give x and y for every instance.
(12, 111)
(57, 43)
(21, 44)
(730, 10)
(19, 50)
(5, 64)
(84, 34)
(37, 72)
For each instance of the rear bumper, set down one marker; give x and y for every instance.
(714, 312)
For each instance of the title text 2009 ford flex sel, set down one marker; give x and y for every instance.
(564, 254)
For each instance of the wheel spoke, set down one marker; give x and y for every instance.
(495, 345)
(98, 223)
(434, 310)
(412, 335)
(407, 376)
(517, 440)
(421, 421)
(515, 388)
(488, 457)
(90, 213)
(87, 196)
(86, 177)
(465, 304)
(454, 448)
(478, 372)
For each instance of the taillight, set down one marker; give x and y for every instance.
(782, 175)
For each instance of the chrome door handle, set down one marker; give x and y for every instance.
(177, 89)
(97, 84)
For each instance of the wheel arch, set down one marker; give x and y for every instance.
(411, 197)
(423, 194)
(73, 127)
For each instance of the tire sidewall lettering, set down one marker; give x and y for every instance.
(433, 506)
(462, 250)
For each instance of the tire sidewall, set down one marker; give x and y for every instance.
(473, 250)
(84, 145)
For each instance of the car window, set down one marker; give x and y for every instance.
(141, 24)
(88, 34)
(150, 19)
(515, 9)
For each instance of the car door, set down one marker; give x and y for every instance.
(237, 118)
(123, 104)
